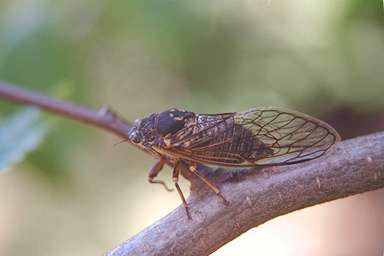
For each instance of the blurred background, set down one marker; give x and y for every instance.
(80, 194)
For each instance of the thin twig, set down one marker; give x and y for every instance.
(104, 118)
(255, 196)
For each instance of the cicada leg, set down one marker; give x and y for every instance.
(210, 184)
(175, 178)
(154, 171)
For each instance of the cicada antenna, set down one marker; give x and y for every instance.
(118, 143)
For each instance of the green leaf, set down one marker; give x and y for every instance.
(19, 134)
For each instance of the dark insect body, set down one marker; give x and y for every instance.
(256, 137)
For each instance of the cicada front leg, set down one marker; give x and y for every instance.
(154, 171)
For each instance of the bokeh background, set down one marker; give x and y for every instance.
(80, 194)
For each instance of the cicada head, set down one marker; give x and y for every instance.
(150, 131)
(142, 132)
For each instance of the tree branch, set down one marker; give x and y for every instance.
(255, 195)
(259, 195)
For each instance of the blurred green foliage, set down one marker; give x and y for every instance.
(20, 134)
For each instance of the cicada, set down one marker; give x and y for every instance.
(255, 137)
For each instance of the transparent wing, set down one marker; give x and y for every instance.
(293, 137)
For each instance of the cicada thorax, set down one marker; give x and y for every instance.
(171, 121)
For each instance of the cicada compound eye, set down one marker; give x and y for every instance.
(134, 134)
